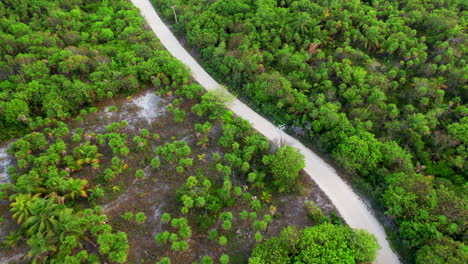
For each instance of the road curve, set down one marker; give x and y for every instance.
(351, 207)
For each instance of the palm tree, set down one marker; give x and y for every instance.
(43, 217)
(304, 23)
(68, 224)
(40, 245)
(76, 187)
(21, 207)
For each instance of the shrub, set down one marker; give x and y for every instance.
(243, 215)
(166, 217)
(128, 216)
(258, 237)
(256, 204)
(224, 259)
(161, 238)
(139, 173)
(227, 225)
(207, 260)
(164, 261)
(222, 240)
(155, 163)
(140, 217)
(213, 235)
(284, 166)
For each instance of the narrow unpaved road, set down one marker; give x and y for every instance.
(351, 207)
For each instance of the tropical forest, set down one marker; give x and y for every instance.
(233, 131)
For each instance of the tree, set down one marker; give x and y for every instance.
(16, 111)
(325, 243)
(114, 245)
(359, 153)
(445, 250)
(21, 207)
(284, 166)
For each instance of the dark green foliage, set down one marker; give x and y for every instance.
(445, 250)
(84, 52)
(380, 85)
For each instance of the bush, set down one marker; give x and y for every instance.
(155, 163)
(139, 173)
(284, 166)
(224, 259)
(222, 240)
(325, 243)
(165, 218)
(315, 213)
(258, 237)
(140, 217)
(213, 235)
(128, 216)
(164, 261)
(207, 260)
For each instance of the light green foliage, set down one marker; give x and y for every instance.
(140, 143)
(179, 115)
(197, 193)
(114, 245)
(285, 165)
(166, 217)
(164, 261)
(315, 213)
(226, 225)
(181, 231)
(140, 217)
(222, 240)
(207, 260)
(253, 215)
(161, 238)
(243, 215)
(258, 237)
(256, 204)
(139, 173)
(324, 243)
(337, 243)
(127, 216)
(144, 133)
(225, 216)
(173, 152)
(260, 225)
(211, 105)
(224, 259)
